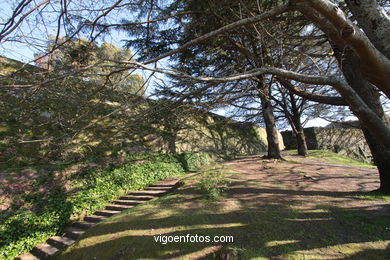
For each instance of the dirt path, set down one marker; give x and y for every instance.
(310, 182)
(299, 173)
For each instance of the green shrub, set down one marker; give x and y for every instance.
(23, 229)
(192, 161)
(212, 183)
(103, 186)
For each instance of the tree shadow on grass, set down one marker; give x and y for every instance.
(372, 254)
(263, 227)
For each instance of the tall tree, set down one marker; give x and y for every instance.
(233, 52)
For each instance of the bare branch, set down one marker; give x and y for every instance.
(7, 30)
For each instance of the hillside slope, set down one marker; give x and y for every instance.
(74, 120)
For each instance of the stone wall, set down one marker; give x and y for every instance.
(348, 141)
(222, 136)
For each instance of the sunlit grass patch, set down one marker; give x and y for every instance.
(331, 157)
(375, 196)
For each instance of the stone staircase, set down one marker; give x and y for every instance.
(57, 243)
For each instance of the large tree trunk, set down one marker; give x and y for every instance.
(270, 127)
(373, 64)
(381, 159)
(381, 155)
(374, 21)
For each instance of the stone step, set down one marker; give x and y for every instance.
(27, 256)
(137, 197)
(107, 213)
(44, 250)
(95, 218)
(128, 202)
(83, 224)
(161, 185)
(118, 207)
(171, 181)
(159, 188)
(60, 242)
(73, 232)
(148, 192)
(56, 243)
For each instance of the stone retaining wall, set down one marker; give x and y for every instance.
(348, 141)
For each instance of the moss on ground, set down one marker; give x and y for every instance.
(375, 196)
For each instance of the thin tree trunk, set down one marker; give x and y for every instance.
(300, 135)
(171, 139)
(270, 127)
(296, 120)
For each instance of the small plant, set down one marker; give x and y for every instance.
(212, 184)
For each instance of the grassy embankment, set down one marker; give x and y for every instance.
(43, 212)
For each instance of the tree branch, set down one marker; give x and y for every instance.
(374, 65)
(328, 100)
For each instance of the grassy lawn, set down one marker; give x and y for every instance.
(264, 226)
(331, 157)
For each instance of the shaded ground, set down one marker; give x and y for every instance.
(294, 209)
(14, 183)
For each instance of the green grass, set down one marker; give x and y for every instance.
(331, 157)
(376, 227)
(265, 228)
(375, 196)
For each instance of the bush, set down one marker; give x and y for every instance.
(212, 183)
(23, 229)
(192, 161)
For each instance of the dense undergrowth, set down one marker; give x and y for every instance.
(44, 214)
